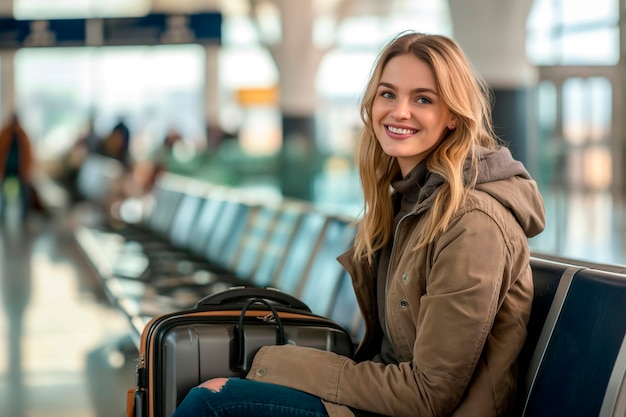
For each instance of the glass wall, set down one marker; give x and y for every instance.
(153, 89)
(576, 46)
(574, 32)
(164, 87)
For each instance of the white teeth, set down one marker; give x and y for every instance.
(399, 131)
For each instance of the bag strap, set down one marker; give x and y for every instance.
(241, 342)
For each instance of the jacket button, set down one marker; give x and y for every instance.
(405, 277)
(404, 303)
(260, 372)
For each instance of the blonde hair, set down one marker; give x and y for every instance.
(468, 98)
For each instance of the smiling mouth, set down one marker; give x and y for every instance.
(401, 131)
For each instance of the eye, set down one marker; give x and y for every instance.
(387, 94)
(423, 100)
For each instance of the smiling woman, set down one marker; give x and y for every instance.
(440, 263)
(408, 116)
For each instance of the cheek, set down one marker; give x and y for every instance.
(438, 123)
(377, 111)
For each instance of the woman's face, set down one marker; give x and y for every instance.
(408, 115)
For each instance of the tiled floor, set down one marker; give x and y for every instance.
(59, 353)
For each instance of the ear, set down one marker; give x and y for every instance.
(452, 123)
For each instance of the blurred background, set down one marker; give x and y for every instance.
(263, 95)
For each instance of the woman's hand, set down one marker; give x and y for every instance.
(214, 384)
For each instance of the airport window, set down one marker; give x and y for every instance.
(576, 150)
(547, 105)
(155, 88)
(573, 32)
(370, 31)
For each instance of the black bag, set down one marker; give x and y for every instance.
(219, 338)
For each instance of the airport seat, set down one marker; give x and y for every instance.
(344, 309)
(290, 263)
(287, 256)
(252, 250)
(175, 258)
(547, 275)
(322, 277)
(577, 351)
(103, 243)
(300, 251)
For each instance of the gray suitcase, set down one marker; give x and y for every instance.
(219, 338)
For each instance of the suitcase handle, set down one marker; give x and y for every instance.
(240, 294)
(274, 318)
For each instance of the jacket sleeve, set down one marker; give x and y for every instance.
(452, 323)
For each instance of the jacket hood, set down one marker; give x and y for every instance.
(500, 176)
(506, 180)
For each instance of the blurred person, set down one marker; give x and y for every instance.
(88, 142)
(140, 174)
(218, 136)
(440, 263)
(90, 138)
(214, 136)
(17, 162)
(117, 144)
(163, 154)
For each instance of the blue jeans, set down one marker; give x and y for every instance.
(246, 398)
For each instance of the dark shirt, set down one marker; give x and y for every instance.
(405, 198)
(13, 158)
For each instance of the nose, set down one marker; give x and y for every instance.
(401, 110)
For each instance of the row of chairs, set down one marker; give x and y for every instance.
(199, 239)
(574, 360)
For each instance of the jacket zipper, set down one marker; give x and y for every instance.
(393, 250)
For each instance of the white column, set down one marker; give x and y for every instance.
(6, 7)
(7, 71)
(7, 84)
(297, 57)
(493, 34)
(211, 85)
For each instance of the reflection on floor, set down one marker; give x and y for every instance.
(59, 353)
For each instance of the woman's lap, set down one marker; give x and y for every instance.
(241, 397)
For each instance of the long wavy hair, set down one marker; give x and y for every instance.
(467, 97)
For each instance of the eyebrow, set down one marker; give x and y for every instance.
(415, 90)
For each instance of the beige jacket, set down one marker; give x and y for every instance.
(456, 316)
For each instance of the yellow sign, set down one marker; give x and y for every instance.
(257, 96)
